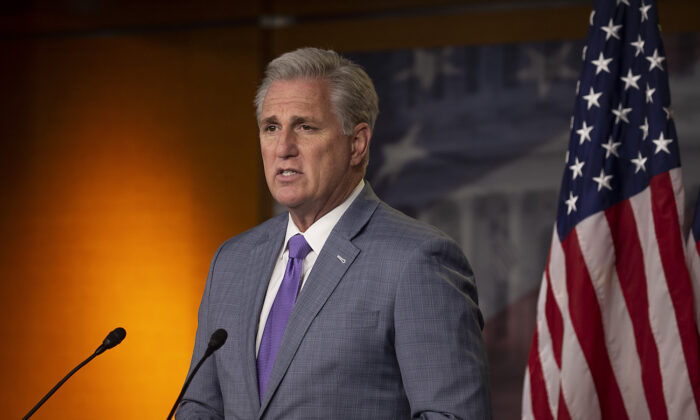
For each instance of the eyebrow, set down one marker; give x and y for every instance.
(269, 120)
(296, 119)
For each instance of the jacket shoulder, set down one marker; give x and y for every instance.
(390, 224)
(254, 236)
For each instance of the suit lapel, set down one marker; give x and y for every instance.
(335, 258)
(260, 266)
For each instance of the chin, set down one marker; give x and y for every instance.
(288, 201)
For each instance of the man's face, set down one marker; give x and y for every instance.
(310, 165)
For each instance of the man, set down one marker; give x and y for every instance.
(385, 324)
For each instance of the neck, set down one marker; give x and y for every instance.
(303, 218)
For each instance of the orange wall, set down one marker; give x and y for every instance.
(124, 162)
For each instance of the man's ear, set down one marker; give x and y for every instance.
(359, 143)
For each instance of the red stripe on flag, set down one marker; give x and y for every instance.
(563, 413)
(538, 388)
(588, 324)
(555, 322)
(630, 272)
(668, 234)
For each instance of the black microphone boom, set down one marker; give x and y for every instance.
(112, 339)
(218, 338)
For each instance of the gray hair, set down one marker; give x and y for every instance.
(352, 93)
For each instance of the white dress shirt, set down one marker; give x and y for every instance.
(316, 236)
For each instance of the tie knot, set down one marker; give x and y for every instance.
(298, 247)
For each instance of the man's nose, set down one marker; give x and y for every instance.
(287, 144)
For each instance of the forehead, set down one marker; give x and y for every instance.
(295, 94)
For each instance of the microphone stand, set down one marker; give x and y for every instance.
(58, 385)
(113, 338)
(218, 338)
(187, 383)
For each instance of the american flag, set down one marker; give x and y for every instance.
(616, 336)
(694, 259)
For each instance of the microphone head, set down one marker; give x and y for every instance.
(218, 338)
(114, 338)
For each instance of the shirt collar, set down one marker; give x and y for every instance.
(317, 234)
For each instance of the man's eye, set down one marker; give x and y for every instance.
(306, 127)
(270, 128)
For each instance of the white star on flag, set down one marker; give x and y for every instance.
(590, 19)
(644, 9)
(662, 144)
(621, 113)
(592, 98)
(571, 203)
(669, 112)
(611, 148)
(603, 180)
(639, 163)
(584, 133)
(650, 91)
(626, 2)
(428, 67)
(655, 60)
(400, 155)
(631, 80)
(601, 64)
(544, 68)
(577, 168)
(638, 45)
(611, 30)
(645, 129)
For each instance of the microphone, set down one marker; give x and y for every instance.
(216, 341)
(218, 338)
(113, 338)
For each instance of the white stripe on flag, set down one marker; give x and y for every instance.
(527, 398)
(599, 254)
(694, 267)
(577, 384)
(550, 369)
(674, 373)
(679, 192)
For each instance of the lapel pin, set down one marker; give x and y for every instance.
(341, 259)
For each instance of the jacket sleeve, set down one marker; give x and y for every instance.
(203, 399)
(438, 340)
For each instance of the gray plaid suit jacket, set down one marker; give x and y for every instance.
(386, 327)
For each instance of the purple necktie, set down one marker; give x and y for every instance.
(281, 308)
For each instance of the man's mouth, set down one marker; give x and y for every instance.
(288, 172)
